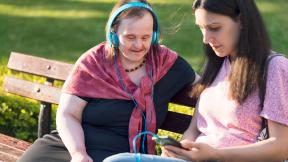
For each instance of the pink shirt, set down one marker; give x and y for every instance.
(222, 122)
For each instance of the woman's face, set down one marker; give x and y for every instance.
(219, 31)
(135, 36)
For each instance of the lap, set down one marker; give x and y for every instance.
(131, 157)
(46, 149)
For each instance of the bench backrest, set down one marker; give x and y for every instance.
(48, 94)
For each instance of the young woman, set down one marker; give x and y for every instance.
(229, 113)
(117, 90)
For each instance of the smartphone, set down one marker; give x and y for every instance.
(166, 140)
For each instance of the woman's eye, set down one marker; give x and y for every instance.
(214, 29)
(131, 38)
(145, 38)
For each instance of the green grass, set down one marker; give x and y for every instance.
(64, 29)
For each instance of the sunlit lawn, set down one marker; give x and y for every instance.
(63, 29)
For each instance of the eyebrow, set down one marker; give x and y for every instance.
(127, 35)
(214, 23)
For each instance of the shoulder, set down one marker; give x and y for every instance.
(182, 70)
(275, 104)
(277, 73)
(94, 54)
(163, 50)
(278, 64)
(181, 66)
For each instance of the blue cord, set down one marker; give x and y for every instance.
(133, 99)
(138, 157)
(139, 135)
(152, 91)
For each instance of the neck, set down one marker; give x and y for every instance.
(133, 66)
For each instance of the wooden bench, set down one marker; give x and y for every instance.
(11, 148)
(48, 94)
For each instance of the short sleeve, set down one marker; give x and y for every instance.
(87, 99)
(187, 72)
(179, 76)
(276, 103)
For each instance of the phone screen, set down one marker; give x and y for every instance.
(166, 140)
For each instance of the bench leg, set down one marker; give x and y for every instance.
(44, 120)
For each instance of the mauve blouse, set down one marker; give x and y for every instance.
(223, 123)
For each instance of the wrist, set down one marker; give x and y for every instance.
(219, 154)
(188, 136)
(79, 151)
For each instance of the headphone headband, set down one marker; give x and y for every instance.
(111, 36)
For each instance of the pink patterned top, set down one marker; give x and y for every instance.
(222, 122)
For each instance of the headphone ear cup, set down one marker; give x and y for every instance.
(114, 39)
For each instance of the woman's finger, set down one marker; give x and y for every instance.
(167, 152)
(187, 144)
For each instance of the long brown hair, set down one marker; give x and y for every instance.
(252, 50)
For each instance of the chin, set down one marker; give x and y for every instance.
(220, 54)
(138, 59)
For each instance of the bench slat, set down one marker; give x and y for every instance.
(39, 66)
(176, 122)
(6, 156)
(32, 90)
(11, 148)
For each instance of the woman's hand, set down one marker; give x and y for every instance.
(193, 151)
(168, 151)
(81, 157)
(164, 152)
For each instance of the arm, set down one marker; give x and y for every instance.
(189, 135)
(192, 132)
(273, 149)
(68, 121)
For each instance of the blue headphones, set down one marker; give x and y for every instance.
(112, 36)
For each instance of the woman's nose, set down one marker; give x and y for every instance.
(138, 43)
(206, 37)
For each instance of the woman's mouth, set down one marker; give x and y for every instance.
(217, 48)
(137, 51)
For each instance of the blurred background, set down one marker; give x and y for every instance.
(64, 29)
